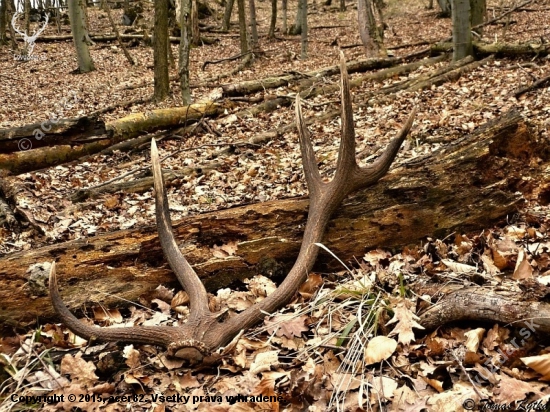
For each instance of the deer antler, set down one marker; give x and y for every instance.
(197, 339)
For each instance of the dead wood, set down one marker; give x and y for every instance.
(142, 184)
(513, 303)
(501, 49)
(465, 186)
(535, 85)
(253, 86)
(71, 139)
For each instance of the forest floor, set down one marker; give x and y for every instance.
(298, 362)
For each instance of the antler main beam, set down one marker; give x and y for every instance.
(202, 334)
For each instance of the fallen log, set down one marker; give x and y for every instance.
(470, 184)
(253, 86)
(21, 151)
(500, 49)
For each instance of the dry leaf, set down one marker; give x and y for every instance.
(379, 348)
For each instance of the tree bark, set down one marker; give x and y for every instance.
(3, 21)
(466, 186)
(195, 33)
(227, 15)
(501, 49)
(273, 21)
(80, 36)
(160, 51)
(242, 27)
(253, 25)
(303, 29)
(183, 70)
(368, 29)
(478, 10)
(24, 159)
(462, 32)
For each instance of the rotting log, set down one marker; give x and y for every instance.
(465, 186)
(500, 49)
(253, 86)
(517, 303)
(72, 139)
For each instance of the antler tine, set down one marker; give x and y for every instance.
(370, 174)
(13, 21)
(198, 299)
(309, 161)
(151, 335)
(346, 162)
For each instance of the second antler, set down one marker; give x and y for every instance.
(202, 334)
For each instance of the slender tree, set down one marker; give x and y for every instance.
(195, 33)
(371, 33)
(284, 6)
(185, 22)
(478, 10)
(253, 25)
(296, 28)
(3, 21)
(303, 4)
(242, 28)
(80, 36)
(273, 21)
(227, 15)
(462, 34)
(160, 51)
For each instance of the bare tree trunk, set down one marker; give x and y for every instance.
(273, 21)
(371, 33)
(342, 5)
(80, 35)
(304, 29)
(195, 33)
(253, 25)
(462, 35)
(242, 27)
(227, 14)
(296, 28)
(3, 21)
(184, 52)
(9, 11)
(285, 16)
(27, 10)
(117, 34)
(160, 51)
(445, 6)
(431, 5)
(478, 11)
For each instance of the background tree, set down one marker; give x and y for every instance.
(184, 51)
(462, 34)
(478, 10)
(80, 36)
(303, 6)
(296, 28)
(273, 21)
(3, 21)
(253, 25)
(284, 6)
(227, 15)
(445, 6)
(242, 28)
(195, 33)
(371, 32)
(160, 51)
